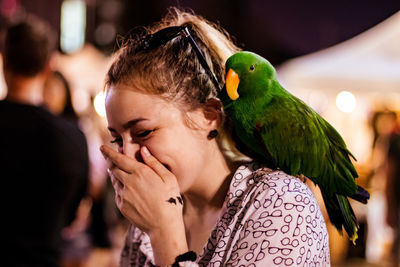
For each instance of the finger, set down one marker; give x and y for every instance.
(118, 201)
(118, 189)
(118, 175)
(157, 166)
(115, 183)
(122, 161)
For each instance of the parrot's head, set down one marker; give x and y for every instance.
(245, 72)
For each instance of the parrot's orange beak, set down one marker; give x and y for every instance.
(232, 84)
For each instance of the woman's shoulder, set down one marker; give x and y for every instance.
(270, 218)
(261, 192)
(254, 178)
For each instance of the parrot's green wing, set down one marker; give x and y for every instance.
(302, 142)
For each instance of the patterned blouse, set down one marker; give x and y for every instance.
(269, 218)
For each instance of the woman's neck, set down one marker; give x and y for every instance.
(204, 201)
(210, 190)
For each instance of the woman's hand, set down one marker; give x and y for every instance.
(148, 195)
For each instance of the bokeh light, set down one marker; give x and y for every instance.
(73, 25)
(346, 101)
(99, 106)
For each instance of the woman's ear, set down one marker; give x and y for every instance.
(213, 112)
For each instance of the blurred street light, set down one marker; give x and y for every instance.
(346, 101)
(98, 103)
(73, 25)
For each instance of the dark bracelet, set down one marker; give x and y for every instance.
(188, 256)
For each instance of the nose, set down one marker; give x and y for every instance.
(131, 149)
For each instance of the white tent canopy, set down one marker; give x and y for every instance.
(367, 65)
(367, 62)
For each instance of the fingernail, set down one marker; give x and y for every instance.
(146, 152)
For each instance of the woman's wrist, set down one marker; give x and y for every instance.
(168, 243)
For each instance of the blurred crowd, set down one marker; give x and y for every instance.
(58, 205)
(383, 235)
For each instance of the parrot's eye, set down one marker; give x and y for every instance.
(252, 68)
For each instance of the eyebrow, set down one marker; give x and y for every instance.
(129, 124)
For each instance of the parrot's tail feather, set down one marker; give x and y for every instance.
(350, 221)
(362, 195)
(341, 214)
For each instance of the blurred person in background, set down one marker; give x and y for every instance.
(76, 241)
(57, 97)
(89, 229)
(43, 159)
(393, 187)
(383, 124)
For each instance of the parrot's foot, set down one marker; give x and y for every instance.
(302, 177)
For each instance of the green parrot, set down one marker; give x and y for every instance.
(272, 125)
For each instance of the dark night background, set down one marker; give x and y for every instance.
(278, 30)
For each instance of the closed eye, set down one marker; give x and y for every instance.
(117, 140)
(144, 133)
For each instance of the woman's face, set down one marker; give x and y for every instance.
(54, 95)
(136, 119)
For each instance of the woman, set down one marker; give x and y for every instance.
(57, 97)
(190, 200)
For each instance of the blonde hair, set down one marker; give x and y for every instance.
(173, 70)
